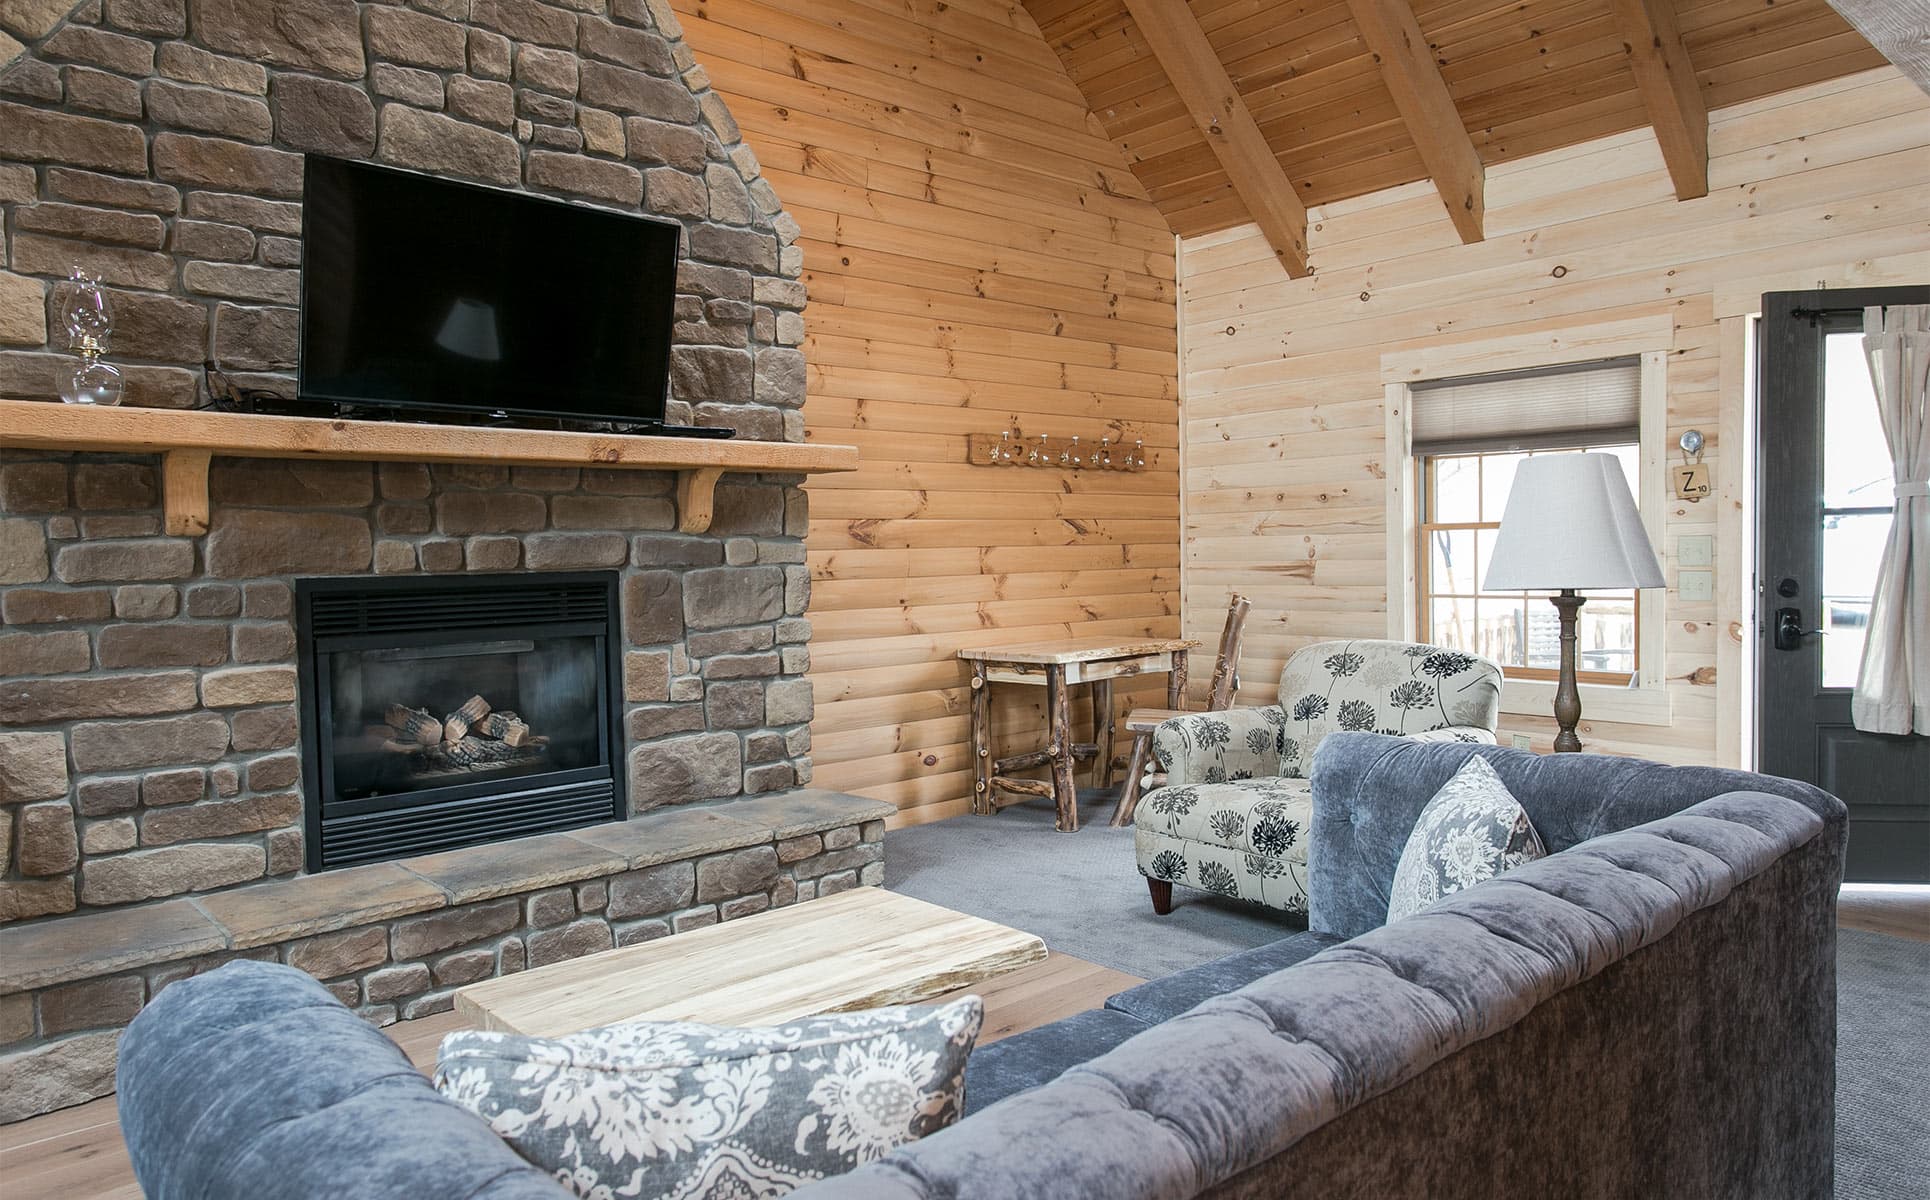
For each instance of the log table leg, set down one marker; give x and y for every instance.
(1059, 718)
(1102, 732)
(1122, 814)
(981, 741)
(1176, 681)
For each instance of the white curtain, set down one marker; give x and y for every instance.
(1893, 685)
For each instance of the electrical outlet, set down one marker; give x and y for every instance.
(1520, 741)
(1697, 550)
(1694, 587)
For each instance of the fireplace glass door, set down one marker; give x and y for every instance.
(446, 712)
(406, 719)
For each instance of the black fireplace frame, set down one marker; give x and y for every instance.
(542, 604)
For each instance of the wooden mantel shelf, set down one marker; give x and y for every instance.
(187, 440)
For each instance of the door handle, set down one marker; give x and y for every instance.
(1790, 632)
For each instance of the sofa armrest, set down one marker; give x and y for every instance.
(1239, 743)
(252, 1080)
(1369, 789)
(1478, 735)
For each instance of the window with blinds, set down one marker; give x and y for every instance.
(1469, 435)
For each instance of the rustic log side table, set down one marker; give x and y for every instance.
(1058, 666)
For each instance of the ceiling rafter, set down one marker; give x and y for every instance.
(1413, 78)
(1189, 61)
(1670, 91)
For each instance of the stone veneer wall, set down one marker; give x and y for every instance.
(145, 681)
(148, 683)
(158, 143)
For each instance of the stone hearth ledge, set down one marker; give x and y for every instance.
(67, 949)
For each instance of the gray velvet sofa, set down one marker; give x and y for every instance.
(1651, 1010)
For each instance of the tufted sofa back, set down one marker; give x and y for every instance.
(1381, 687)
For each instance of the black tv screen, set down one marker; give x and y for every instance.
(426, 294)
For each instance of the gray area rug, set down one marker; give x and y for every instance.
(1082, 893)
(1882, 1067)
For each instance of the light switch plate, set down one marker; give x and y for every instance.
(1520, 741)
(1695, 551)
(1694, 586)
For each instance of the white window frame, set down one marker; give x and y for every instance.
(1647, 701)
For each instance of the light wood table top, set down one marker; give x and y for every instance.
(1060, 651)
(858, 949)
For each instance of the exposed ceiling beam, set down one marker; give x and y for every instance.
(1407, 66)
(1216, 107)
(1669, 89)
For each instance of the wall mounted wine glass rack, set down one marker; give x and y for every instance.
(1013, 448)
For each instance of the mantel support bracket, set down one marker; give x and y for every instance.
(184, 492)
(696, 498)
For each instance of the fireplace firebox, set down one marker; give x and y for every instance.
(446, 712)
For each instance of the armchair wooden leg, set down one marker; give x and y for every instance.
(1162, 891)
(1122, 813)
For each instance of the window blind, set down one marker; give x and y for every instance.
(1549, 409)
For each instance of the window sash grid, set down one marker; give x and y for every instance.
(1426, 503)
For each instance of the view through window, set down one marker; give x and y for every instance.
(1858, 503)
(1462, 498)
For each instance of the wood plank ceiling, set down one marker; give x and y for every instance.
(1524, 76)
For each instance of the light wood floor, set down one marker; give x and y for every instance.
(1886, 908)
(76, 1154)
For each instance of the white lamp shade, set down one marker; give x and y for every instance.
(1571, 523)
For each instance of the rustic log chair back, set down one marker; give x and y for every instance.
(1219, 697)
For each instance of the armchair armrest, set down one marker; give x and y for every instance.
(1213, 747)
(1479, 735)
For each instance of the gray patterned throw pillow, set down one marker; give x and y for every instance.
(700, 1112)
(1473, 829)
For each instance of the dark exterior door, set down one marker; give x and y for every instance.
(1824, 501)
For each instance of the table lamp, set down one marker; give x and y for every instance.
(1570, 526)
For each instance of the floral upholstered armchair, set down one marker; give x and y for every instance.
(1235, 813)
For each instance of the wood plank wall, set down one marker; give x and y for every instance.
(1285, 445)
(978, 255)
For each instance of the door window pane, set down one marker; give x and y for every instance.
(1856, 459)
(1852, 548)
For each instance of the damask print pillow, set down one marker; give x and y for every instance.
(682, 1111)
(1473, 829)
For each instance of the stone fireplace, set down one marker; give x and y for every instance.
(155, 687)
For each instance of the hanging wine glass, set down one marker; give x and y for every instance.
(85, 310)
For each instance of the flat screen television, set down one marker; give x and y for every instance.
(426, 294)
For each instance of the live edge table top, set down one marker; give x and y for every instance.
(1061, 651)
(858, 949)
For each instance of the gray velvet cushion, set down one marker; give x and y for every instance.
(1159, 1000)
(1471, 830)
(1041, 1054)
(1369, 790)
(683, 1111)
(252, 1081)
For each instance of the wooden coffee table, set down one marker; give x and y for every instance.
(858, 949)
